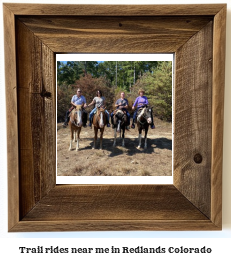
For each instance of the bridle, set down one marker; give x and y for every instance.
(118, 113)
(77, 114)
(143, 114)
(100, 110)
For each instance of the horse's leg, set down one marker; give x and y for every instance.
(70, 148)
(145, 138)
(140, 132)
(95, 137)
(115, 134)
(77, 136)
(123, 136)
(101, 138)
(118, 127)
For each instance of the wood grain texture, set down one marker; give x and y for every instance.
(12, 117)
(115, 207)
(114, 225)
(108, 202)
(115, 10)
(195, 33)
(218, 114)
(114, 34)
(193, 126)
(36, 99)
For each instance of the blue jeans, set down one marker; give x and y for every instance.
(91, 115)
(134, 115)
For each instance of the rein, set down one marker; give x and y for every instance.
(141, 115)
(145, 114)
(120, 112)
(98, 115)
(73, 121)
(142, 123)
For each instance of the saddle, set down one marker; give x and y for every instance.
(116, 112)
(138, 113)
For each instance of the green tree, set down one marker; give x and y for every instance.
(158, 89)
(70, 71)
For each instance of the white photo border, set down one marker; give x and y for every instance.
(166, 180)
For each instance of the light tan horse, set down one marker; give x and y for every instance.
(99, 122)
(75, 124)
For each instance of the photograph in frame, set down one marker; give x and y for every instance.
(122, 155)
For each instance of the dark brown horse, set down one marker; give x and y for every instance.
(120, 122)
(143, 121)
(75, 124)
(99, 122)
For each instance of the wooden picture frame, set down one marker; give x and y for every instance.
(33, 34)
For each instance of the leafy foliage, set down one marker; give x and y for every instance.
(89, 86)
(158, 89)
(112, 78)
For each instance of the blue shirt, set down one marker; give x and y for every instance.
(123, 102)
(78, 100)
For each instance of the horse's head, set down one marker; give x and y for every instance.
(76, 116)
(120, 119)
(101, 117)
(120, 116)
(146, 114)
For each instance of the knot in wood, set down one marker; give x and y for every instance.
(198, 158)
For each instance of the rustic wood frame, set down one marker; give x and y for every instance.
(196, 34)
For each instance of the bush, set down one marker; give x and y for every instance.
(158, 89)
(89, 86)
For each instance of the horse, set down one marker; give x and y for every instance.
(120, 122)
(75, 124)
(143, 122)
(99, 122)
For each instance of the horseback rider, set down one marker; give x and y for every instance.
(77, 99)
(98, 101)
(122, 104)
(141, 101)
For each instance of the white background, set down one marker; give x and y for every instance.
(219, 241)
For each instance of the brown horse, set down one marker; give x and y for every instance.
(99, 122)
(143, 121)
(75, 124)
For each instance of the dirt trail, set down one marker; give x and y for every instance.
(156, 160)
